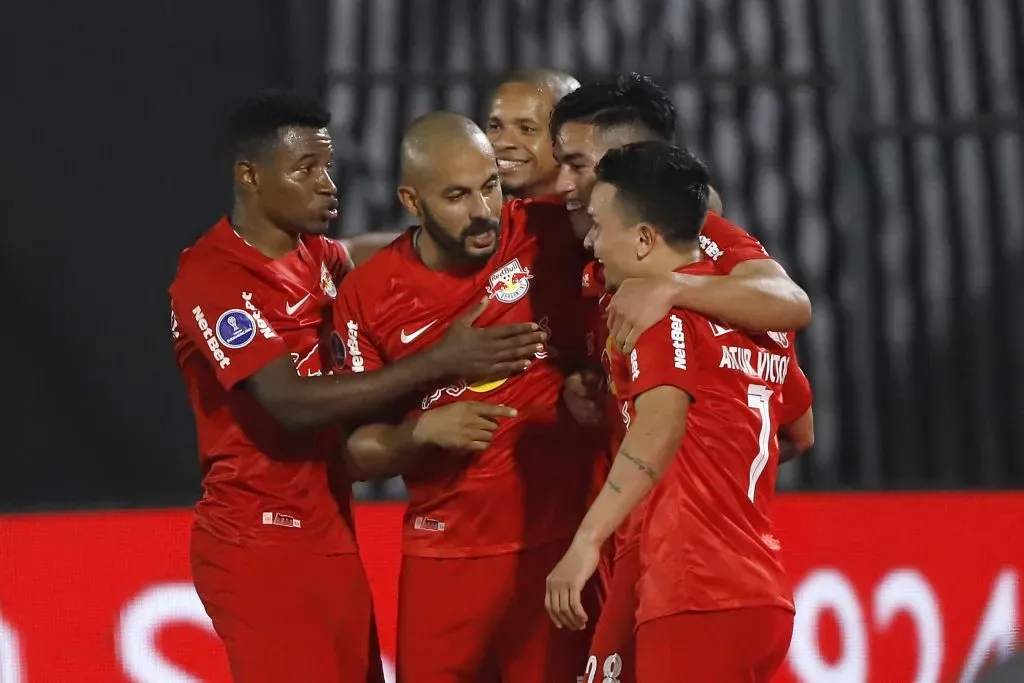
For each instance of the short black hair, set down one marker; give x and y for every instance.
(629, 100)
(660, 184)
(256, 121)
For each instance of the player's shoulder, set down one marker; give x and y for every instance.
(380, 270)
(542, 213)
(208, 256)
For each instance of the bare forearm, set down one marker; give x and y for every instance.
(312, 402)
(378, 451)
(752, 302)
(637, 468)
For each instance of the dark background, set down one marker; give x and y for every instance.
(902, 223)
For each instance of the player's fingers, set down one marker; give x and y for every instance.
(469, 318)
(579, 614)
(565, 609)
(512, 353)
(483, 425)
(620, 337)
(504, 369)
(515, 330)
(478, 445)
(549, 605)
(613, 319)
(631, 339)
(491, 410)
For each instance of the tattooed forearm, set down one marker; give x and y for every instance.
(639, 464)
(613, 486)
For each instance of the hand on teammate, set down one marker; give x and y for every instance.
(636, 307)
(463, 425)
(489, 353)
(564, 601)
(584, 395)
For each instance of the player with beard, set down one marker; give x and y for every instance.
(497, 472)
(273, 553)
(517, 126)
(744, 287)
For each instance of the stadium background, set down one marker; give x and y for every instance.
(876, 148)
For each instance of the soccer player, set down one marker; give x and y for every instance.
(702, 403)
(494, 502)
(757, 295)
(517, 126)
(273, 555)
(748, 289)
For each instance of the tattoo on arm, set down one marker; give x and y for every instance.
(613, 486)
(639, 464)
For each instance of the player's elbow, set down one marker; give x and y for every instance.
(801, 432)
(801, 309)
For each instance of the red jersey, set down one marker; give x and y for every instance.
(530, 486)
(233, 310)
(723, 244)
(706, 538)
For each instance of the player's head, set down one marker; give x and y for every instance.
(450, 183)
(282, 159)
(597, 117)
(648, 206)
(517, 126)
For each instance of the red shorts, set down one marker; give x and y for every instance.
(286, 615)
(746, 645)
(613, 649)
(469, 620)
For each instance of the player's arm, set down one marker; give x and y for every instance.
(749, 290)
(360, 248)
(797, 437)
(363, 393)
(377, 451)
(797, 414)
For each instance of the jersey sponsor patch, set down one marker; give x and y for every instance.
(277, 519)
(236, 328)
(509, 283)
(337, 349)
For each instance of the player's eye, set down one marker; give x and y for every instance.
(456, 196)
(528, 130)
(493, 126)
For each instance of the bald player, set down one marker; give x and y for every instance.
(517, 126)
(497, 472)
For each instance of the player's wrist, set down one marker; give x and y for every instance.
(589, 537)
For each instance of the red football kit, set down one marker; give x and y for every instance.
(273, 554)
(710, 564)
(724, 245)
(482, 531)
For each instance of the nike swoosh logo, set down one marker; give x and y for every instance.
(290, 309)
(407, 338)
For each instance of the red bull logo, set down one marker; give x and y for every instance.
(509, 283)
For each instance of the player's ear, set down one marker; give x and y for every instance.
(245, 175)
(410, 200)
(645, 237)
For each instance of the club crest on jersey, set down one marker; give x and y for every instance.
(327, 282)
(509, 283)
(235, 328)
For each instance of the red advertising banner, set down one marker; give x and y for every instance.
(890, 587)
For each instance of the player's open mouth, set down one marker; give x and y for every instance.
(573, 205)
(505, 165)
(481, 241)
(331, 214)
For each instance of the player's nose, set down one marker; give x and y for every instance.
(327, 185)
(563, 183)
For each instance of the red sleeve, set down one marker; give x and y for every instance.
(662, 357)
(221, 314)
(353, 346)
(796, 394)
(727, 245)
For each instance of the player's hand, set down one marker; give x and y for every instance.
(636, 307)
(486, 354)
(564, 601)
(584, 395)
(464, 425)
